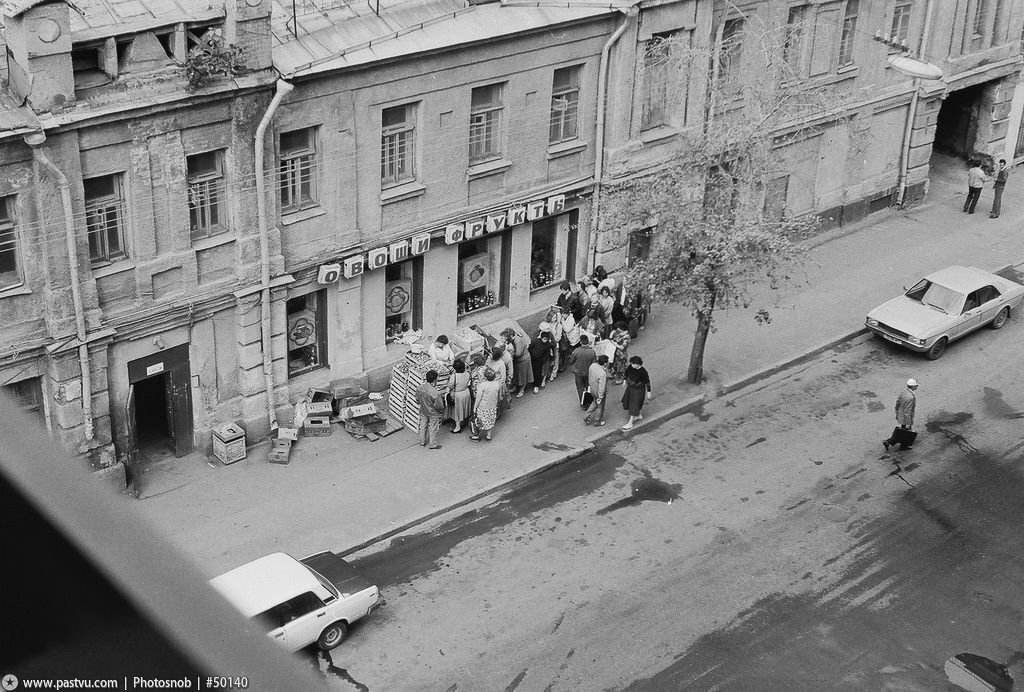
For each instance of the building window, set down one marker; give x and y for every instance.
(721, 192)
(28, 396)
(775, 193)
(900, 31)
(730, 55)
(104, 218)
(10, 257)
(639, 245)
(485, 123)
(483, 268)
(403, 288)
(849, 35)
(795, 41)
(297, 176)
(397, 144)
(657, 71)
(565, 101)
(307, 332)
(87, 65)
(553, 254)
(206, 193)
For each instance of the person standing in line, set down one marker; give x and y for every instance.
(905, 405)
(523, 364)
(485, 408)
(598, 379)
(638, 390)
(554, 322)
(431, 407)
(1002, 174)
(620, 337)
(570, 340)
(542, 353)
(441, 351)
(579, 362)
(462, 399)
(476, 371)
(976, 179)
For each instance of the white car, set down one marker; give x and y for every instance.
(299, 602)
(945, 306)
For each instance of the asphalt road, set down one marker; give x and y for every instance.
(766, 542)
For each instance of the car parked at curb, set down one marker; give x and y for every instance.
(945, 306)
(298, 602)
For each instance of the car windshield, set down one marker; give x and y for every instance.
(936, 296)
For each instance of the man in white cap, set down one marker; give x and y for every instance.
(905, 404)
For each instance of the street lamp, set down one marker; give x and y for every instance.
(912, 67)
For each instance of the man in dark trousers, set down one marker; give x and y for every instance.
(598, 383)
(580, 362)
(976, 179)
(905, 405)
(1002, 174)
(431, 407)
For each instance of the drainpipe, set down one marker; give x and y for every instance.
(912, 112)
(35, 140)
(602, 88)
(283, 88)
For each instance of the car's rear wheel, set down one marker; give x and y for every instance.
(937, 349)
(1001, 318)
(332, 636)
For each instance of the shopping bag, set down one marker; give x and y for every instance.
(586, 400)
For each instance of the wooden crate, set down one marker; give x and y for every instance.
(280, 451)
(316, 426)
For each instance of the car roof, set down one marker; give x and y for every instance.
(264, 583)
(963, 279)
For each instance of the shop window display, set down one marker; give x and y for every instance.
(481, 272)
(552, 253)
(307, 332)
(400, 299)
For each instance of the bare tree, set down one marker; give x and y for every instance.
(723, 231)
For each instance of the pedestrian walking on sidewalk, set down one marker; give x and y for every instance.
(485, 408)
(1002, 175)
(462, 399)
(638, 390)
(598, 378)
(431, 407)
(579, 362)
(905, 405)
(542, 354)
(976, 179)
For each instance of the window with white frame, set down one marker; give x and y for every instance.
(397, 144)
(900, 29)
(105, 218)
(10, 251)
(205, 173)
(730, 56)
(485, 123)
(849, 34)
(565, 101)
(657, 70)
(297, 172)
(795, 41)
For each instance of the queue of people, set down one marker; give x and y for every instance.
(594, 311)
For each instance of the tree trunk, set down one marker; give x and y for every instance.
(695, 374)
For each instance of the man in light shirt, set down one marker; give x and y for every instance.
(598, 383)
(976, 179)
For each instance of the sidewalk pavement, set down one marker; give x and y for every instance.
(343, 494)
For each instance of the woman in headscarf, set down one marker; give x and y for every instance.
(620, 337)
(522, 370)
(485, 408)
(462, 398)
(542, 353)
(637, 390)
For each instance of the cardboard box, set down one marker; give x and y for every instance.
(361, 410)
(280, 451)
(317, 426)
(317, 408)
(314, 394)
(290, 434)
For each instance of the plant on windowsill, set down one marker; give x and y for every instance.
(210, 59)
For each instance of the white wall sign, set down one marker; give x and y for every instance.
(154, 369)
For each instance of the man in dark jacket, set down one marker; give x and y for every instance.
(1002, 175)
(580, 362)
(431, 407)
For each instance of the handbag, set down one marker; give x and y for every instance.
(903, 436)
(474, 425)
(449, 400)
(586, 399)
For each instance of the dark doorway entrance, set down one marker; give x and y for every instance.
(956, 128)
(159, 405)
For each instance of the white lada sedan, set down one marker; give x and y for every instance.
(945, 306)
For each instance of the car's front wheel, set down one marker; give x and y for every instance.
(1000, 321)
(332, 636)
(937, 349)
